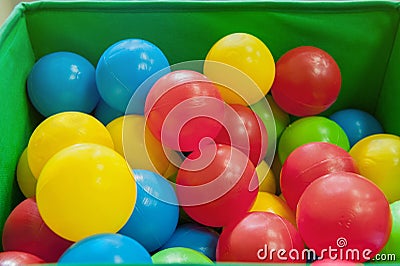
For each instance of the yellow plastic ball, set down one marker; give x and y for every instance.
(267, 202)
(25, 179)
(134, 141)
(282, 197)
(248, 55)
(378, 159)
(85, 189)
(266, 178)
(173, 168)
(60, 131)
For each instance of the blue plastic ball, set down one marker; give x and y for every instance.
(194, 236)
(62, 81)
(123, 67)
(106, 249)
(356, 124)
(155, 216)
(105, 113)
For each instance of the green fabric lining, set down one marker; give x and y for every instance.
(361, 35)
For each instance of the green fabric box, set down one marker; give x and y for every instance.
(363, 37)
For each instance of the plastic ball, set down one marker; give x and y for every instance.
(156, 212)
(266, 178)
(180, 255)
(357, 124)
(309, 162)
(62, 81)
(106, 249)
(17, 258)
(268, 202)
(172, 170)
(216, 185)
(60, 131)
(105, 113)
(244, 130)
(274, 119)
(86, 189)
(282, 197)
(307, 81)
(182, 108)
(378, 158)
(25, 231)
(340, 211)
(25, 179)
(133, 140)
(392, 246)
(124, 66)
(246, 54)
(196, 237)
(281, 118)
(254, 237)
(311, 129)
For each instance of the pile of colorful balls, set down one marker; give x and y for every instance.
(225, 159)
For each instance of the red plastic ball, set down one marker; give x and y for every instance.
(309, 162)
(25, 230)
(243, 129)
(307, 81)
(346, 212)
(17, 258)
(216, 185)
(182, 108)
(261, 237)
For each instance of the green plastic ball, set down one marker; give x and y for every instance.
(311, 129)
(180, 255)
(392, 246)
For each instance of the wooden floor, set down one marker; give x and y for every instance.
(6, 6)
